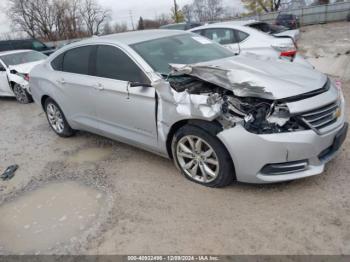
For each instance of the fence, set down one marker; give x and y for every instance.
(312, 14)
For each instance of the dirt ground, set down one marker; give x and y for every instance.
(91, 195)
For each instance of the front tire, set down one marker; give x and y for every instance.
(201, 157)
(56, 119)
(21, 94)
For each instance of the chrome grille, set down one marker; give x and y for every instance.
(321, 117)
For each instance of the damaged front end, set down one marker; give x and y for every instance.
(207, 92)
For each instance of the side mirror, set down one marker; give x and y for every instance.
(135, 84)
(12, 71)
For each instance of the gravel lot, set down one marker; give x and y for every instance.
(147, 206)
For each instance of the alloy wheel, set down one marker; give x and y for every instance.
(20, 94)
(197, 159)
(55, 117)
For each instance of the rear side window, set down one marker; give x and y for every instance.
(57, 63)
(77, 60)
(111, 62)
(241, 36)
(222, 36)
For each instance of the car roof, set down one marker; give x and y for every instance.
(10, 52)
(229, 24)
(129, 38)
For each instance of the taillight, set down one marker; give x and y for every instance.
(290, 53)
(26, 77)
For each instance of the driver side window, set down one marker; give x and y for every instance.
(111, 62)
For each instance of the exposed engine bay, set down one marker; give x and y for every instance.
(257, 115)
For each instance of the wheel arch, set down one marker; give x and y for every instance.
(43, 100)
(212, 127)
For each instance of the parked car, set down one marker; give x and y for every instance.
(181, 26)
(348, 17)
(32, 44)
(239, 37)
(220, 117)
(288, 20)
(14, 73)
(275, 30)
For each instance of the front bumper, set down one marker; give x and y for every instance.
(251, 153)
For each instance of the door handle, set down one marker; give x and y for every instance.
(98, 86)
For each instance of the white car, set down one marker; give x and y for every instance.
(14, 73)
(241, 38)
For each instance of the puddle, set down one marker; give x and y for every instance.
(90, 155)
(52, 215)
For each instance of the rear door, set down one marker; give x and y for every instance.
(75, 86)
(125, 111)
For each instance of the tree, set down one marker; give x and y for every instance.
(94, 16)
(176, 13)
(57, 19)
(107, 29)
(214, 9)
(259, 6)
(140, 25)
(204, 10)
(187, 11)
(120, 28)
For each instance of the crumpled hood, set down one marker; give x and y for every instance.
(25, 68)
(254, 76)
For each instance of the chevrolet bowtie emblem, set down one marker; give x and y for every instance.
(337, 113)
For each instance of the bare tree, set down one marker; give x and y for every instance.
(119, 28)
(107, 29)
(204, 10)
(199, 9)
(187, 11)
(163, 19)
(94, 16)
(22, 14)
(215, 9)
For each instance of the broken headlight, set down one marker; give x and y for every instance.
(261, 116)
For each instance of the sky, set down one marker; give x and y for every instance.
(121, 10)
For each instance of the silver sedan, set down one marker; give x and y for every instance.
(219, 116)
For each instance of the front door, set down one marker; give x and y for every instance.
(125, 111)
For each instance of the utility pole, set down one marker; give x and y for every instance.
(176, 12)
(132, 20)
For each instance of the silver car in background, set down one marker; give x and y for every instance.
(220, 117)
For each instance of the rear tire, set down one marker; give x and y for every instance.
(202, 158)
(56, 119)
(21, 94)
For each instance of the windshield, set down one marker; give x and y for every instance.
(179, 49)
(22, 58)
